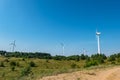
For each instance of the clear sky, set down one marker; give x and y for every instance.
(42, 25)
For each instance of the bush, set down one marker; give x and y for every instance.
(26, 71)
(91, 63)
(13, 68)
(23, 59)
(112, 58)
(73, 65)
(3, 74)
(84, 57)
(118, 60)
(100, 61)
(98, 56)
(58, 57)
(113, 62)
(78, 78)
(32, 64)
(17, 64)
(12, 63)
(2, 64)
(6, 60)
(74, 57)
(47, 60)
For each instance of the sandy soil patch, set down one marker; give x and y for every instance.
(97, 74)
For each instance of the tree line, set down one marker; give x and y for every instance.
(26, 54)
(93, 60)
(42, 55)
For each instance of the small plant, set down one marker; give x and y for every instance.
(23, 59)
(13, 68)
(47, 60)
(3, 74)
(78, 78)
(91, 73)
(2, 64)
(26, 71)
(73, 65)
(32, 64)
(113, 62)
(12, 63)
(17, 64)
(6, 60)
(118, 60)
(91, 63)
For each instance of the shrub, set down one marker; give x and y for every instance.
(2, 64)
(78, 78)
(84, 57)
(112, 58)
(118, 59)
(74, 57)
(113, 62)
(12, 63)
(100, 61)
(3, 74)
(91, 63)
(23, 59)
(58, 57)
(98, 56)
(73, 65)
(32, 64)
(6, 60)
(26, 71)
(13, 68)
(47, 60)
(17, 64)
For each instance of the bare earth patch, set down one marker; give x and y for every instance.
(97, 74)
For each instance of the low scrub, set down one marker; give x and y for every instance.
(26, 71)
(12, 63)
(32, 64)
(73, 66)
(2, 64)
(91, 63)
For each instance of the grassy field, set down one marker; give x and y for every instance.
(12, 68)
(32, 69)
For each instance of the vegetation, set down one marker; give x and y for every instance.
(26, 71)
(2, 64)
(31, 66)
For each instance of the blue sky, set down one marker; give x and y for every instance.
(42, 25)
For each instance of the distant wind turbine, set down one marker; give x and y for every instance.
(84, 51)
(62, 48)
(13, 45)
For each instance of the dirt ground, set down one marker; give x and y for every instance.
(96, 74)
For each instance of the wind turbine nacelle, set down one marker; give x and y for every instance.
(98, 33)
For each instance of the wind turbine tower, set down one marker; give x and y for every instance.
(62, 48)
(13, 45)
(84, 51)
(98, 41)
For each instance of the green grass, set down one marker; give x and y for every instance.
(42, 68)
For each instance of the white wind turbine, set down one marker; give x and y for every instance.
(13, 45)
(62, 48)
(98, 41)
